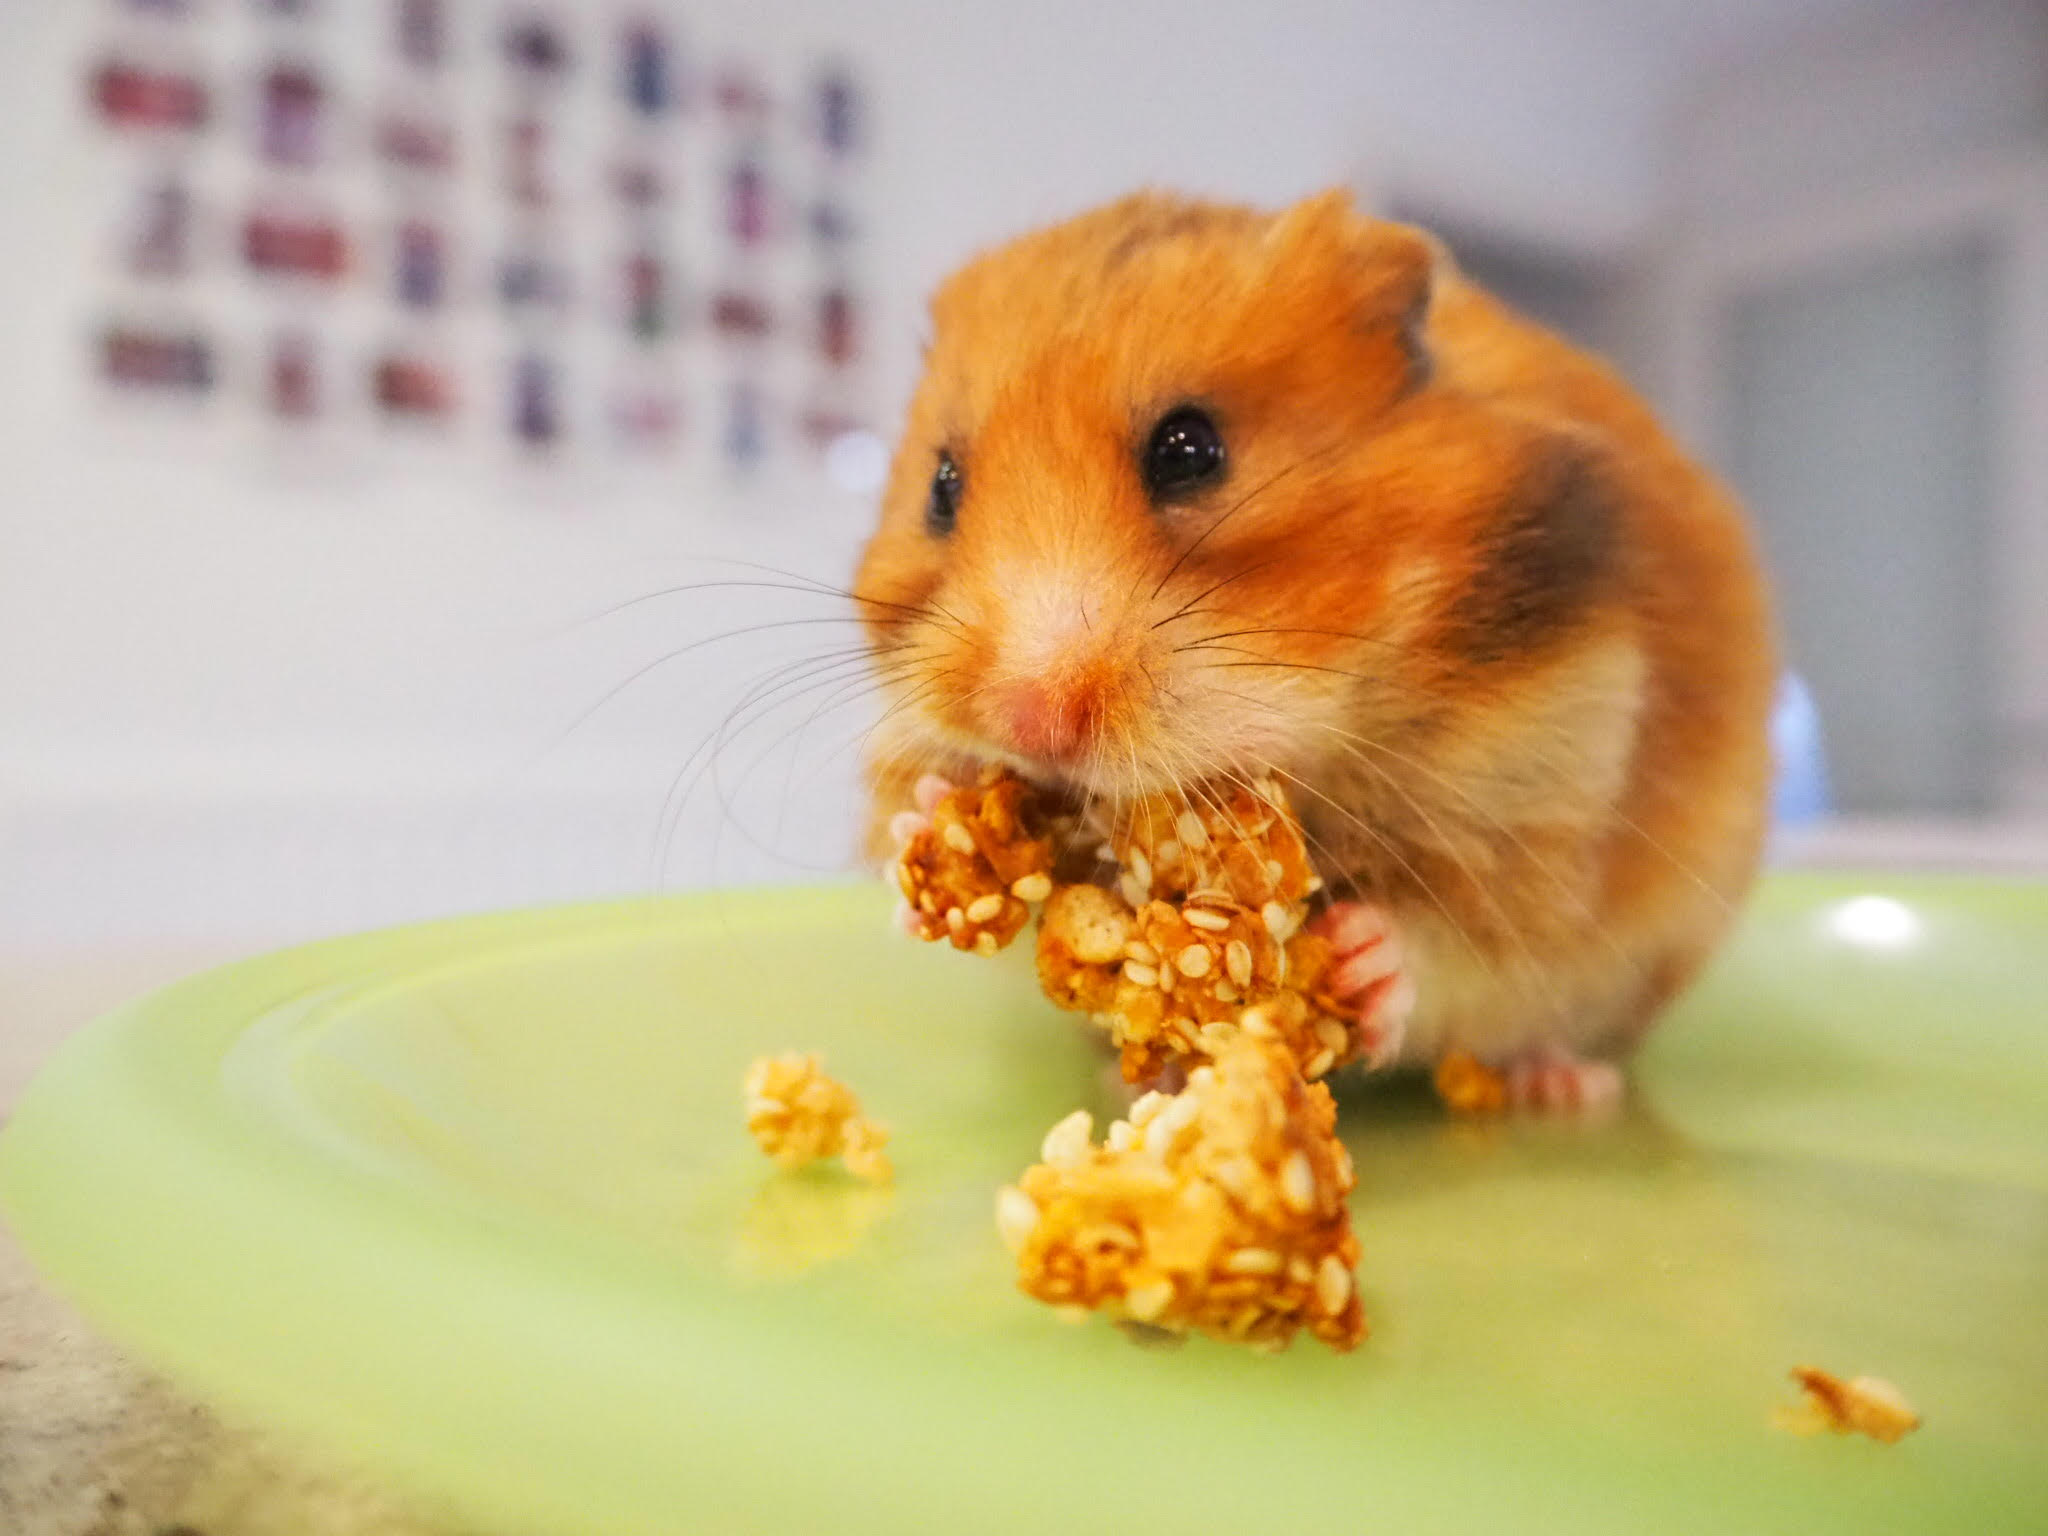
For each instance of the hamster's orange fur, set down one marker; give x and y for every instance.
(1505, 643)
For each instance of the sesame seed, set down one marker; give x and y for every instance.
(1122, 1136)
(1253, 1261)
(1016, 1216)
(1146, 1302)
(1034, 887)
(1202, 1079)
(1258, 1021)
(1341, 1156)
(1133, 890)
(985, 944)
(983, 908)
(1298, 1183)
(1238, 1176)
(1141, 952)
(1191, 830)
(1332, 1034)
(1106, 853)
(1275, 871)
(1142, 975)
(955, 919)
(1166, 976)
(1237, 960)
(1315, 883)
(1224, 992)
(1147, 1107)
(1193, 961)
(958, 838)
(1066, 1144)
(1178, 1115)
(1141, 868)
(1211, 922)
(1168, 852)
(1274, 916)
(1321, 1063)
(1333, 1284)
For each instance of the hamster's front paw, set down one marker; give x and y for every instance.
(904, 825)
(1368, 974)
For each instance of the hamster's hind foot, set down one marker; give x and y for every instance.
(1551, 1079)
(1368, 975)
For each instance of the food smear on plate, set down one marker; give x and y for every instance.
(798, 1115)
(1221, 1210)
(1867, 1405)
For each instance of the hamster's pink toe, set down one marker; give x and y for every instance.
(1553, 1080)
(1367, 971)
(929, 791)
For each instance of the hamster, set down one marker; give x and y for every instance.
(1191, 491)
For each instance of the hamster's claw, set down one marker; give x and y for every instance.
(1368, 973)
(1551, 1078)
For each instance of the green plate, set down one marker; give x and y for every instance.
(474, 1203)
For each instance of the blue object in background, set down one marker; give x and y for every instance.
(1801, 794)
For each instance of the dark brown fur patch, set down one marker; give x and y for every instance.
(1548, 553)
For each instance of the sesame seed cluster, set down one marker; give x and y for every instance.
(1197, 938)
(798, 1115)
(971, 876)
(1222, 1209)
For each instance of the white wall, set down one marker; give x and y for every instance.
(1864, 139)
(260, 692)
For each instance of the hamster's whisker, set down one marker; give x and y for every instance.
(807, 588)
(821, 586)
(709, 769)
(1188, 609)
(1241, 503)
(1394, 853)
(681, 651)
(1354, 744)
(1339, 634)
(762, 696)
(1447, 845)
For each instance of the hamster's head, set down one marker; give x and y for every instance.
(1182, 494)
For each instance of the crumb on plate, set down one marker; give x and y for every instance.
(1467, 1086)
(1866, 1405)
(799, 1116)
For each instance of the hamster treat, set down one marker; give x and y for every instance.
(970, 875)
(1220, 1210)
(799, 1116)
(1199, 939)
(1867, 1405)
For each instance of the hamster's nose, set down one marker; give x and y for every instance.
(1042, 720)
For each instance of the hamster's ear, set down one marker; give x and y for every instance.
(1386, 271)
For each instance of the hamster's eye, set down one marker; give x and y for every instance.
(944, 507)
(1184, 454)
